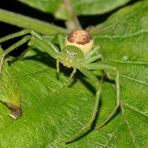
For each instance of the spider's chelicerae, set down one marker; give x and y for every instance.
(78, 53)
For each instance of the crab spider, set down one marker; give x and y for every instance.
(78, 54)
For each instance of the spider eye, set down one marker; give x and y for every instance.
(71, 53)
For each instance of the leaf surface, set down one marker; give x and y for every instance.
(81, 7)
(50, 116)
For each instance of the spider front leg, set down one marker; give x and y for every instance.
(27, 35)
(18, 43)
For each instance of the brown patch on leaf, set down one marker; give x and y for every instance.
(15, 111)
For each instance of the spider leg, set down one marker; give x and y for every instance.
(118, 91)
(70, 79)
(72, 74)
(36, 40)
(43, 39)
(12, 47)
(111, 68)
(87, 127)
(14, 35)
(43, 44)
(60, 40)
(58, 66)
(93, 52)
(17, 44)
(117, 103)
(1, 61)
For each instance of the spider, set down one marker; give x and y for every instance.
(77, 53)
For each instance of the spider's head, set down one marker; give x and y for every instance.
(71, 56)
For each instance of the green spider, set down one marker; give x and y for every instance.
(77, 54)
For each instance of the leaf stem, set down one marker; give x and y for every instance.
(29, 23)
(72, 23)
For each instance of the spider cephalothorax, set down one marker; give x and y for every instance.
(71, 56)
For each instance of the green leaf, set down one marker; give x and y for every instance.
(91, 7)
(50, 116)
(81, 7)
(47, 6)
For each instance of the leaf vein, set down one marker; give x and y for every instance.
(134, 80)
(113, 134)
(107, 36)
(136, 110)
(128, 126)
